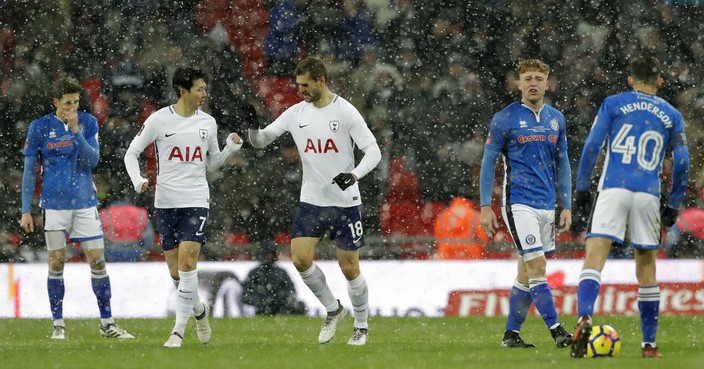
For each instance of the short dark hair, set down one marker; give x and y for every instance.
(314, 66)
(64, 86)
(184, 77)
(646, 69)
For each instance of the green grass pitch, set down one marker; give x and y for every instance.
(291, 342)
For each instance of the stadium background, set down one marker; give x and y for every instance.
(427, 76)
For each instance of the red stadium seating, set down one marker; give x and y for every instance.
(428, 212)
(279, 93)
(402, 184)
(282, 239)
(253, 62)
(101, 108)
(92, 86)
(403, 219)
(208, 13)
(247, 4)
(237, 242)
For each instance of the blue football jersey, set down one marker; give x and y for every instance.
(530, 144)
(67, 180)
(636, 129)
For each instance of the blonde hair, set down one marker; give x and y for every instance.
(533, 65)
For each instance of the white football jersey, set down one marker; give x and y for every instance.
(325, 138)
(182, 144)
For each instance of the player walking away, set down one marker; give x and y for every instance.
(67, 143)
(530, 138)
(638, 127)
(325, 128)
(186, 142)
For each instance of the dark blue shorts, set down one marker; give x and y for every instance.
(181, 224)
(344, 224)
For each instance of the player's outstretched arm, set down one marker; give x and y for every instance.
(217, 158)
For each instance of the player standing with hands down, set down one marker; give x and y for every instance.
(530, 137)
(186, 142)
(67, 142)
(638, 127)
(325, 128)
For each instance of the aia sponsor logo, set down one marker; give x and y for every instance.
(318, 147)
(189, 154)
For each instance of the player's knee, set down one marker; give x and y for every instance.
(56, 262)
(187, 264)
(301, 265)
(350, 271)
(97, 263)
(536, 266)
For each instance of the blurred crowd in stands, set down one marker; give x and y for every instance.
(427, 76)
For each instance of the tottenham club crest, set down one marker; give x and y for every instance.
(334, 125)
(554, 124)
(203, 134)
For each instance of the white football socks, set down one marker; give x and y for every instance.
(198, 307)
(315, 280)
(359, 295)
(187, 292)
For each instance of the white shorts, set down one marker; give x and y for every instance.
(79, 224)
(616, 207)
(532, 230)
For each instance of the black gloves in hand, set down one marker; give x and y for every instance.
(582, 204)
(668, 216)
(249, 116)
(344, 180)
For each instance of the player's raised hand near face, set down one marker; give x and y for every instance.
(27, 222)
(565, 221)
(488, 220)
(71, 118)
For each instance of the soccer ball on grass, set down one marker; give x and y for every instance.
(604, 342)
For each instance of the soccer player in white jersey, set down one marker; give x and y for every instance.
(186, 143)
(530, 137)
(325, 128)
(638, 128)
(67, 142)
